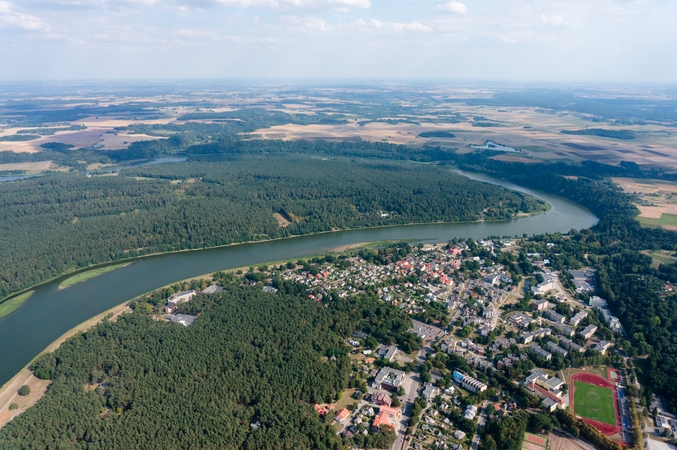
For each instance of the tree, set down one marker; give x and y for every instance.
(24, 390)
(488, 443)
(13, 406)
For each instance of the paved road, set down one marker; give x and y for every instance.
(480, 424)
(411, 387)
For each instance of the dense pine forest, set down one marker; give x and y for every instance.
(250, 359)
(60, 222)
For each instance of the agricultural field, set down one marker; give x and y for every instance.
(656, 201)
(594, 402)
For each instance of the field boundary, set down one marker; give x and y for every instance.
(596, 380)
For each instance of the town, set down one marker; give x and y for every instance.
(495, 331)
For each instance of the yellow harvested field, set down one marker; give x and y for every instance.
(112, 122)
(121, 141)
(657, 197)
(652, 212)
(537, 134)
(28, 166)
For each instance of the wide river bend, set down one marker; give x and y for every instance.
(50, 312)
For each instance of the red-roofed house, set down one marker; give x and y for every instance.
(387, 417)
(321, 410)
(342, 414)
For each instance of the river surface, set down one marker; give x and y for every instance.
(50, 312)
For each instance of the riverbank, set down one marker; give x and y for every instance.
(127, 261)
(95, 272)
(50, 311)
(14, 303)
(8, 392)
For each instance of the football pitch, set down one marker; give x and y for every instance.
(594, 402)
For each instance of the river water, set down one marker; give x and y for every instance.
(50, 312)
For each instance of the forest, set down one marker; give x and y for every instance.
(56, 223)
(146, 384)
(602, 132)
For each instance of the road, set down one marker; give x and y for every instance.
(480, 424)
(412, 384)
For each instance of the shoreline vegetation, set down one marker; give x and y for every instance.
(25, 374)
(132, 259)
(174, 211)
(11, 305)
(94, 272)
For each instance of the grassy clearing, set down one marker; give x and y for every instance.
(659, 257)
(594, 402)
(13, 304)
(79, 278)
(665, 219)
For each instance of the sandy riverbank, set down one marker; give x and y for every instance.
(8, 392)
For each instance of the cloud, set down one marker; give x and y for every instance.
(194, 34)
(305, 24)
(453, 7)
(11, 19)
(558, 20)
(297, 4)
(392, 27)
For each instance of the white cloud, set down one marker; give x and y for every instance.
(453, 7)
(11, 19)
(305, 24)
(392, 27)
(194, 34)
(298, 4)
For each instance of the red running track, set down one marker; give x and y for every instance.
(604, 428)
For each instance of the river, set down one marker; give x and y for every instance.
(50, 312)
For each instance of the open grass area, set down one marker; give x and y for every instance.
(659, 257)
(79, 278)
(14, 303)
(594, 402)
(665, 219)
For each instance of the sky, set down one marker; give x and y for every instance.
(614, 41)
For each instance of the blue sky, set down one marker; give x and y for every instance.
(483, 40)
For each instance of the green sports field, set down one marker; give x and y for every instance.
(594, 402)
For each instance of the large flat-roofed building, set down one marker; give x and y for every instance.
(588, 331)
(575, 320)
(389, 379)
(554, 316)
(538, 351)
(183, 319)
(468, 382)
(179, 297)
(554, 348)
(570, 345)
(564, 330)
